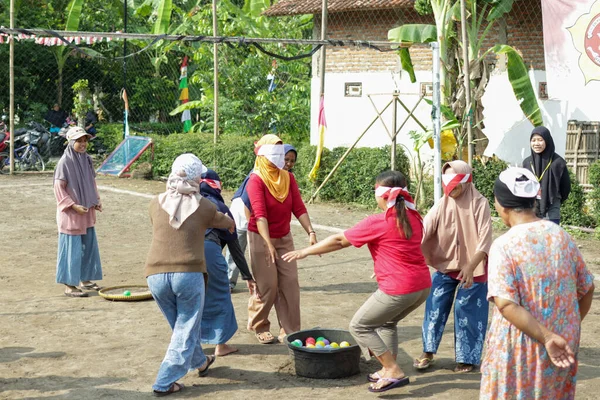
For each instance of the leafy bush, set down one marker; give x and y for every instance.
(484, 176)
(594, 196)
(574, 210)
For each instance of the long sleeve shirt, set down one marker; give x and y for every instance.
(67, 219)
(278, 214)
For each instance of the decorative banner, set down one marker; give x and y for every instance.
(322, 128)
(186, 116)
(54, 41)
(572, 49)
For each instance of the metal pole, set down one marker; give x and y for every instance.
(466, 79)
(216, 73)
(395, 114)
(437, 122)
(324, 48)
(11, 68)
(126, 112)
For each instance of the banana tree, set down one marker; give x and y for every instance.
(62, 53)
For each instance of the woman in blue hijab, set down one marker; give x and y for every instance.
(218, 319)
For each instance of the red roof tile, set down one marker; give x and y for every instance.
(295, 7)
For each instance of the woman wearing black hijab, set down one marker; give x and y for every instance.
(551, 171)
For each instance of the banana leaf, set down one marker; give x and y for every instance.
(519, 79)
(74, 15)
(413, 33)
(254, 8)
(163, 19)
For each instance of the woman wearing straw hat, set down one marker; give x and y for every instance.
(77, 200)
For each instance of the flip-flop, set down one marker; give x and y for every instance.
(90, 286)
(395, 383)
(374, 377)
(76, 294)
(171, 390)
(267, 339)
(209, 361)
(423, 363)
(462, 368)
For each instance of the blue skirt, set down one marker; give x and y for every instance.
(78, 258)
(218, 319)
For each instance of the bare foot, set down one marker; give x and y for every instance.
(224, 349)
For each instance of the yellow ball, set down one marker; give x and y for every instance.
(335, 345)
(344, 344)
(310, 346)
(320, 342)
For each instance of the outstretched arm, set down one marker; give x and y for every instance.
(558, 349)
(332, 243)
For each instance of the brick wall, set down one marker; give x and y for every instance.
(522, 30)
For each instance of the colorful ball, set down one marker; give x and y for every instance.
(335, 345)
(297, 343)
(328, 346)
(344, 344)
(319, 345)
(320, 342)
(127, 293)
(320, 339)
(310, 340)
(326, 341)
(310, 346)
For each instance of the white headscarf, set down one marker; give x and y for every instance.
(182, 196)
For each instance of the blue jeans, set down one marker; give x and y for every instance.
(470, 317)
(180, 297)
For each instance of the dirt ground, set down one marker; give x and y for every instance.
(54, 347)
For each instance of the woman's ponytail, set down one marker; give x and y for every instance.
(402, 221)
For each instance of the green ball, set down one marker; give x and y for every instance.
(127, 293)
(320, 339)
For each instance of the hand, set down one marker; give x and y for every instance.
(98, 207)
(313, 238)
(253, 288)
(79, 209)
(559, 351)
(231, 227)
(272, 252)
(294, 255)
(466, 277)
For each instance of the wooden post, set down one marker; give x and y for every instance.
(466, 80)
(576, 153)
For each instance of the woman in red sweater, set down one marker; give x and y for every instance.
(394, 240)
(274, 197)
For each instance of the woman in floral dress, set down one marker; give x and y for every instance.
(542, 290)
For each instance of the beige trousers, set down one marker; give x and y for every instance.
(374, 326)
(277, 284)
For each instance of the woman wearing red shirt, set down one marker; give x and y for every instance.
(394, 240)
(274, 197)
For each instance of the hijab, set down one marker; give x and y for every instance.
(182, 197)
(78, 171)
(210, 187)
(516, 188)
(268, 166)
(548, 167)
(452, 231)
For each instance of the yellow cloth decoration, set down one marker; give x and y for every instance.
(277, 180)
(448, 144)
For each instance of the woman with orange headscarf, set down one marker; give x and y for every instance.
(274, 197)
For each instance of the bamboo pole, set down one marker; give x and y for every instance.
(466, 79)
(11, 68)
(216, 74)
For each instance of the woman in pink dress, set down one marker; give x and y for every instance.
(542, 290)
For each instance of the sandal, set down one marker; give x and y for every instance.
(76, 293)
(423, 363)
(462, 368)
(265, 338)
(374, 377)
(209, 361)
(393, 383)
(90, 286)
(171, 390)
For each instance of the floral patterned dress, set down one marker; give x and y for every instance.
(538, 266)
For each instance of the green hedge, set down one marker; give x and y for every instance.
(574, 211)
(484, 177)
(594, 196)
